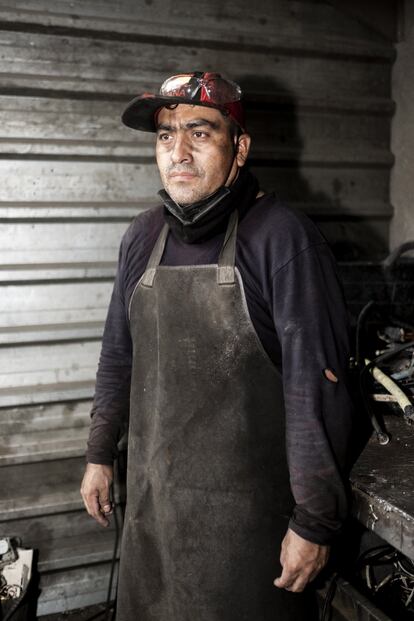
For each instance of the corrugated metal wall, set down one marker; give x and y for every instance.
(71, 177)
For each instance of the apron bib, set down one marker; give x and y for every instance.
(208, 494)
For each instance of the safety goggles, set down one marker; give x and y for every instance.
(207, 87)
(197, 88)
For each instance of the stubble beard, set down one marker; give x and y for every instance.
(184, 193)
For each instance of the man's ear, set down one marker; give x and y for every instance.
(242, 149)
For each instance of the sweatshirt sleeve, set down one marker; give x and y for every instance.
(311, 322)
(111, 403)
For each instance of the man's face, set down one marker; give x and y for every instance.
(195, 152)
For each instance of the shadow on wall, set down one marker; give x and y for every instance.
(273, 117)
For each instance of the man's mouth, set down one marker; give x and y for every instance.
(182, 175)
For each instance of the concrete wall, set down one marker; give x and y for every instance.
(402, 177)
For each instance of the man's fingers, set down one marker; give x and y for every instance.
(286, 579)
(104, 502)
(107, 509)
(93, 507)
(299, 584)
(97, 513)
(95, 492)
(301, 560)
(294, 581)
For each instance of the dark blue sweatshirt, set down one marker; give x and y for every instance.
(297, 308)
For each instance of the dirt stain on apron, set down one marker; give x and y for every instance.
(208, 494)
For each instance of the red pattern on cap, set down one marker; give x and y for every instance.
(234, 108)
(236, 112)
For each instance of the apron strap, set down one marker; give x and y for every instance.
(226, 261)
(227, 258)
(155, 257)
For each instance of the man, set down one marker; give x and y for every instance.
(226, 338)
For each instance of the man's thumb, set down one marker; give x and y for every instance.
(105, 503)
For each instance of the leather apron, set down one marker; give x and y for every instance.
(208, 495)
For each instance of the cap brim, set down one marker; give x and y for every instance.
(140, 112)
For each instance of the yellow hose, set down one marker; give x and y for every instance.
(383, 379)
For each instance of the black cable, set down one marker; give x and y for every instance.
(114, 557)
(330, 594)
(392, 258)
(360, 324)
(390, 354)
(381, 434)
(374, 553)
(108, 605)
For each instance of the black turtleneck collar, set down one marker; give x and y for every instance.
(209, 217)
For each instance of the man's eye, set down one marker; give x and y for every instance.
(200, 134)
(163, 137)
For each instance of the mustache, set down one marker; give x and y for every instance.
(183, 168)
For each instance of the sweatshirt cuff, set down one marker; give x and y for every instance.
(310, 528)
(101, 460)
(103, 455)
(312, 536)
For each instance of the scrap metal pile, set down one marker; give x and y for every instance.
(399, 367)
(15, 574)
(388, 576)
(384, 350)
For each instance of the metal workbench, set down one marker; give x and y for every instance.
(383, 486)
(383, 502)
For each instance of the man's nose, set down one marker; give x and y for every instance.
(182, 150)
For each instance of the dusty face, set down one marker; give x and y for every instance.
(195, 152)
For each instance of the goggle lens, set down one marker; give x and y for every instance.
(218, 90)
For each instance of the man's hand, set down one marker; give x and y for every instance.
(301, 562)
(95, 490)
